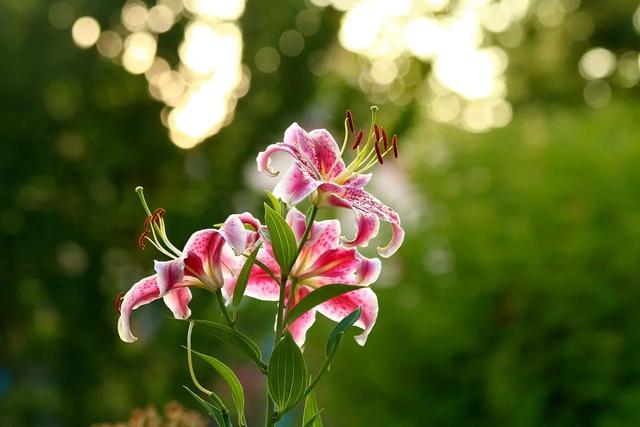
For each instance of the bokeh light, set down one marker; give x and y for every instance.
(200, 91)
(85, 32)
(464, 60)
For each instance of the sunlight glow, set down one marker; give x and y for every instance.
(200, 91)
(467, 86)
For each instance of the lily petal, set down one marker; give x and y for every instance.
(327, 153)
(261, 285)
(295, 185)
(169, 273)
(334, 264)
(395, 243)
(359, 180)
(367, 226)
(368, 270)
(141, 293)
(234, 234)
(207, 246)
(369, 211)
(178, 302)
(339, 307)
(301, 325)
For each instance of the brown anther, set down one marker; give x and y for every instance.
(384, 139)
(376, 129)
(394, 142)
(158, 214)
(350, 121)
(379, 154)
(141, 238)
(118, 301)
(358, 139)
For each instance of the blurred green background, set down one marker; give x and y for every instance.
(514, 301)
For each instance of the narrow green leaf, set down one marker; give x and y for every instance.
(230, 335)
(211, 408)
(237, 392)
(336, 335)
(276, 204)
(314, 421)
(311, 414)
(243, 278)
(283, 241)
(317, 297)
(287, 374)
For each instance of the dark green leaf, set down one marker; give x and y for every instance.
(237, 392)
(317, 297)
(211, 408)
(338, 331)
(287, 374)
(311, 414)
(283, 241)
(243, 278)
(244, 343)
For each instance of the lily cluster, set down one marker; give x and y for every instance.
(307, 265)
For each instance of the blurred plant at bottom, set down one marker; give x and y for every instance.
(173, 415)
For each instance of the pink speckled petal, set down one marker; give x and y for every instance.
(301, 325)
(264, 157)
(298, 222)
(338, 264)
(368, 270)
(337, 308)
(169, 273)
(234, 234)
(207, 245)
(250, 220)
(395, 243)
(367, 226)
(366, 208)
(359, 180)
(295, 185)
(328, 160)
(178, 302)
(299, 138)
(141, 293)
(324, 236)
(261, 285)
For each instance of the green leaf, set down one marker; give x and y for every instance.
(336, 335)
(317, 297)
(243, 278)
(276, 204)
(237, 392)
(287, 374)
(212, 409)
(230, 335)
(283, 241)
(311, 414)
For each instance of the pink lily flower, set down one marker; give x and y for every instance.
(202, 263)
(318, 167)
(322, 261)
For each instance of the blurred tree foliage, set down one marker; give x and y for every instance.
(517, 299)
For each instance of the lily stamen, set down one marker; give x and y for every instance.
(394, 142)
(378, 154)
(350, 121)
(384, 138)
(358, 139)
(154, 223)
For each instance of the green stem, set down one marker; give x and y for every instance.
(307, 230)
(272, 416)
(223, 308)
